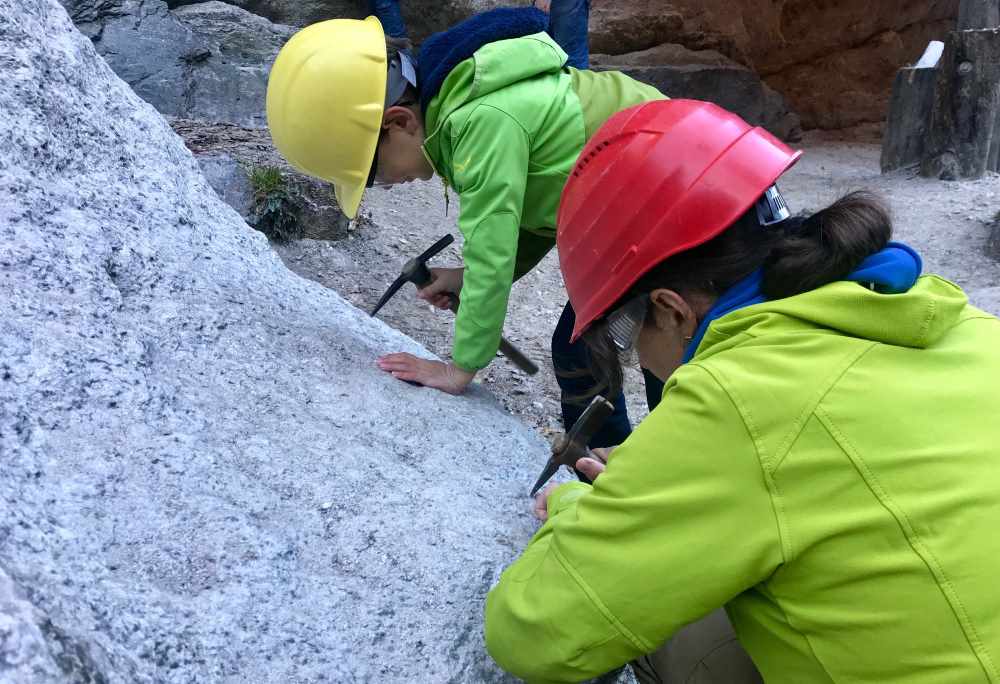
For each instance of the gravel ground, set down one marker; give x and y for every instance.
(948, 222)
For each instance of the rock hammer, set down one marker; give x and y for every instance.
(415, 271)
(572, 446)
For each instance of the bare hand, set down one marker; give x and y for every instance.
(544, 5)
(541, 505)
(591, 466)
(595, 464)
(444, 282)
(446, 377)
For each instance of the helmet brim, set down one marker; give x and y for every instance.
(349, 198)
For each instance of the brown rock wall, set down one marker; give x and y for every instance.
(853, 86)
(833, 60)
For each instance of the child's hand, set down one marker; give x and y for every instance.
(540, 506)
(446, 377)
(595, 464)
(446, 281)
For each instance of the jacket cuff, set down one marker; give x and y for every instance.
(471, 362)
(565, 496)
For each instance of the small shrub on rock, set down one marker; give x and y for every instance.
(274, 213)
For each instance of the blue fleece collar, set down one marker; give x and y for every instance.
(894, 270)
(444, 51)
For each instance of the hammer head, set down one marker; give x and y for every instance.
(414, 271)
(572, 446)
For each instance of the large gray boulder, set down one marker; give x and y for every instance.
(709, 75)
(230, 84)
(207, 61)
(229, 154)
(205, 478)
(422, 17)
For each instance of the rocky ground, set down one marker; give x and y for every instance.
(949, 223)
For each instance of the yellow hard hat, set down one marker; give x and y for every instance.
(325, 99)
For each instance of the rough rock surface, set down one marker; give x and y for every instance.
(230, 84)
(27, 653)
(833, 60)
(422, 17)
(228, 155)
(229, 180)
(205, 479)
(207, 61)
(708, 75)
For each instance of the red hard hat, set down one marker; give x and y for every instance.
(655, 180)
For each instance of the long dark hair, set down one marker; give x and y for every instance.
(798, 255)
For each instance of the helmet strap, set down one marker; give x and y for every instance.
(402, 73)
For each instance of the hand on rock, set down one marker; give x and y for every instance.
(446, 377)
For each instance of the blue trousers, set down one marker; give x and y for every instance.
(568, 26)
(571, 358)
(389, 14)
(568, 20)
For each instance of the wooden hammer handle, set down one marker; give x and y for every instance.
(513, 354)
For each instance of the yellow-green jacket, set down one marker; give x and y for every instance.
(504, 132)
(827, 467)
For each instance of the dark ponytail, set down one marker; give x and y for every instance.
(826, 246)
(798, 255)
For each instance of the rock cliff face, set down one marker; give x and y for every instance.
(207, 61)
(709, 75)
(205, 478)
(834, 60)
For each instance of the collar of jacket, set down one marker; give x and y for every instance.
(892, 305)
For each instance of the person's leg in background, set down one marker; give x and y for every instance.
(390, 15)
(575, 380)
(568, 26)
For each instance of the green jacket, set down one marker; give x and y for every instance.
(827, 467)
(504, 132)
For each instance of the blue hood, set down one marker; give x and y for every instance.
(444, 51)
(894, 270)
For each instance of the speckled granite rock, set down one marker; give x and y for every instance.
(205, 478)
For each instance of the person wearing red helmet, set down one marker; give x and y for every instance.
(818, 465)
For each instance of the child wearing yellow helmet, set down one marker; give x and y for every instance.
(492, 108)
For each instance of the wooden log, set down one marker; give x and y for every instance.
(909, 118)
(966, 107)
(978, 14)
(982, 14)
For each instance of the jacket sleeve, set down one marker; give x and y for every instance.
(490, 160)
(680, 523)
